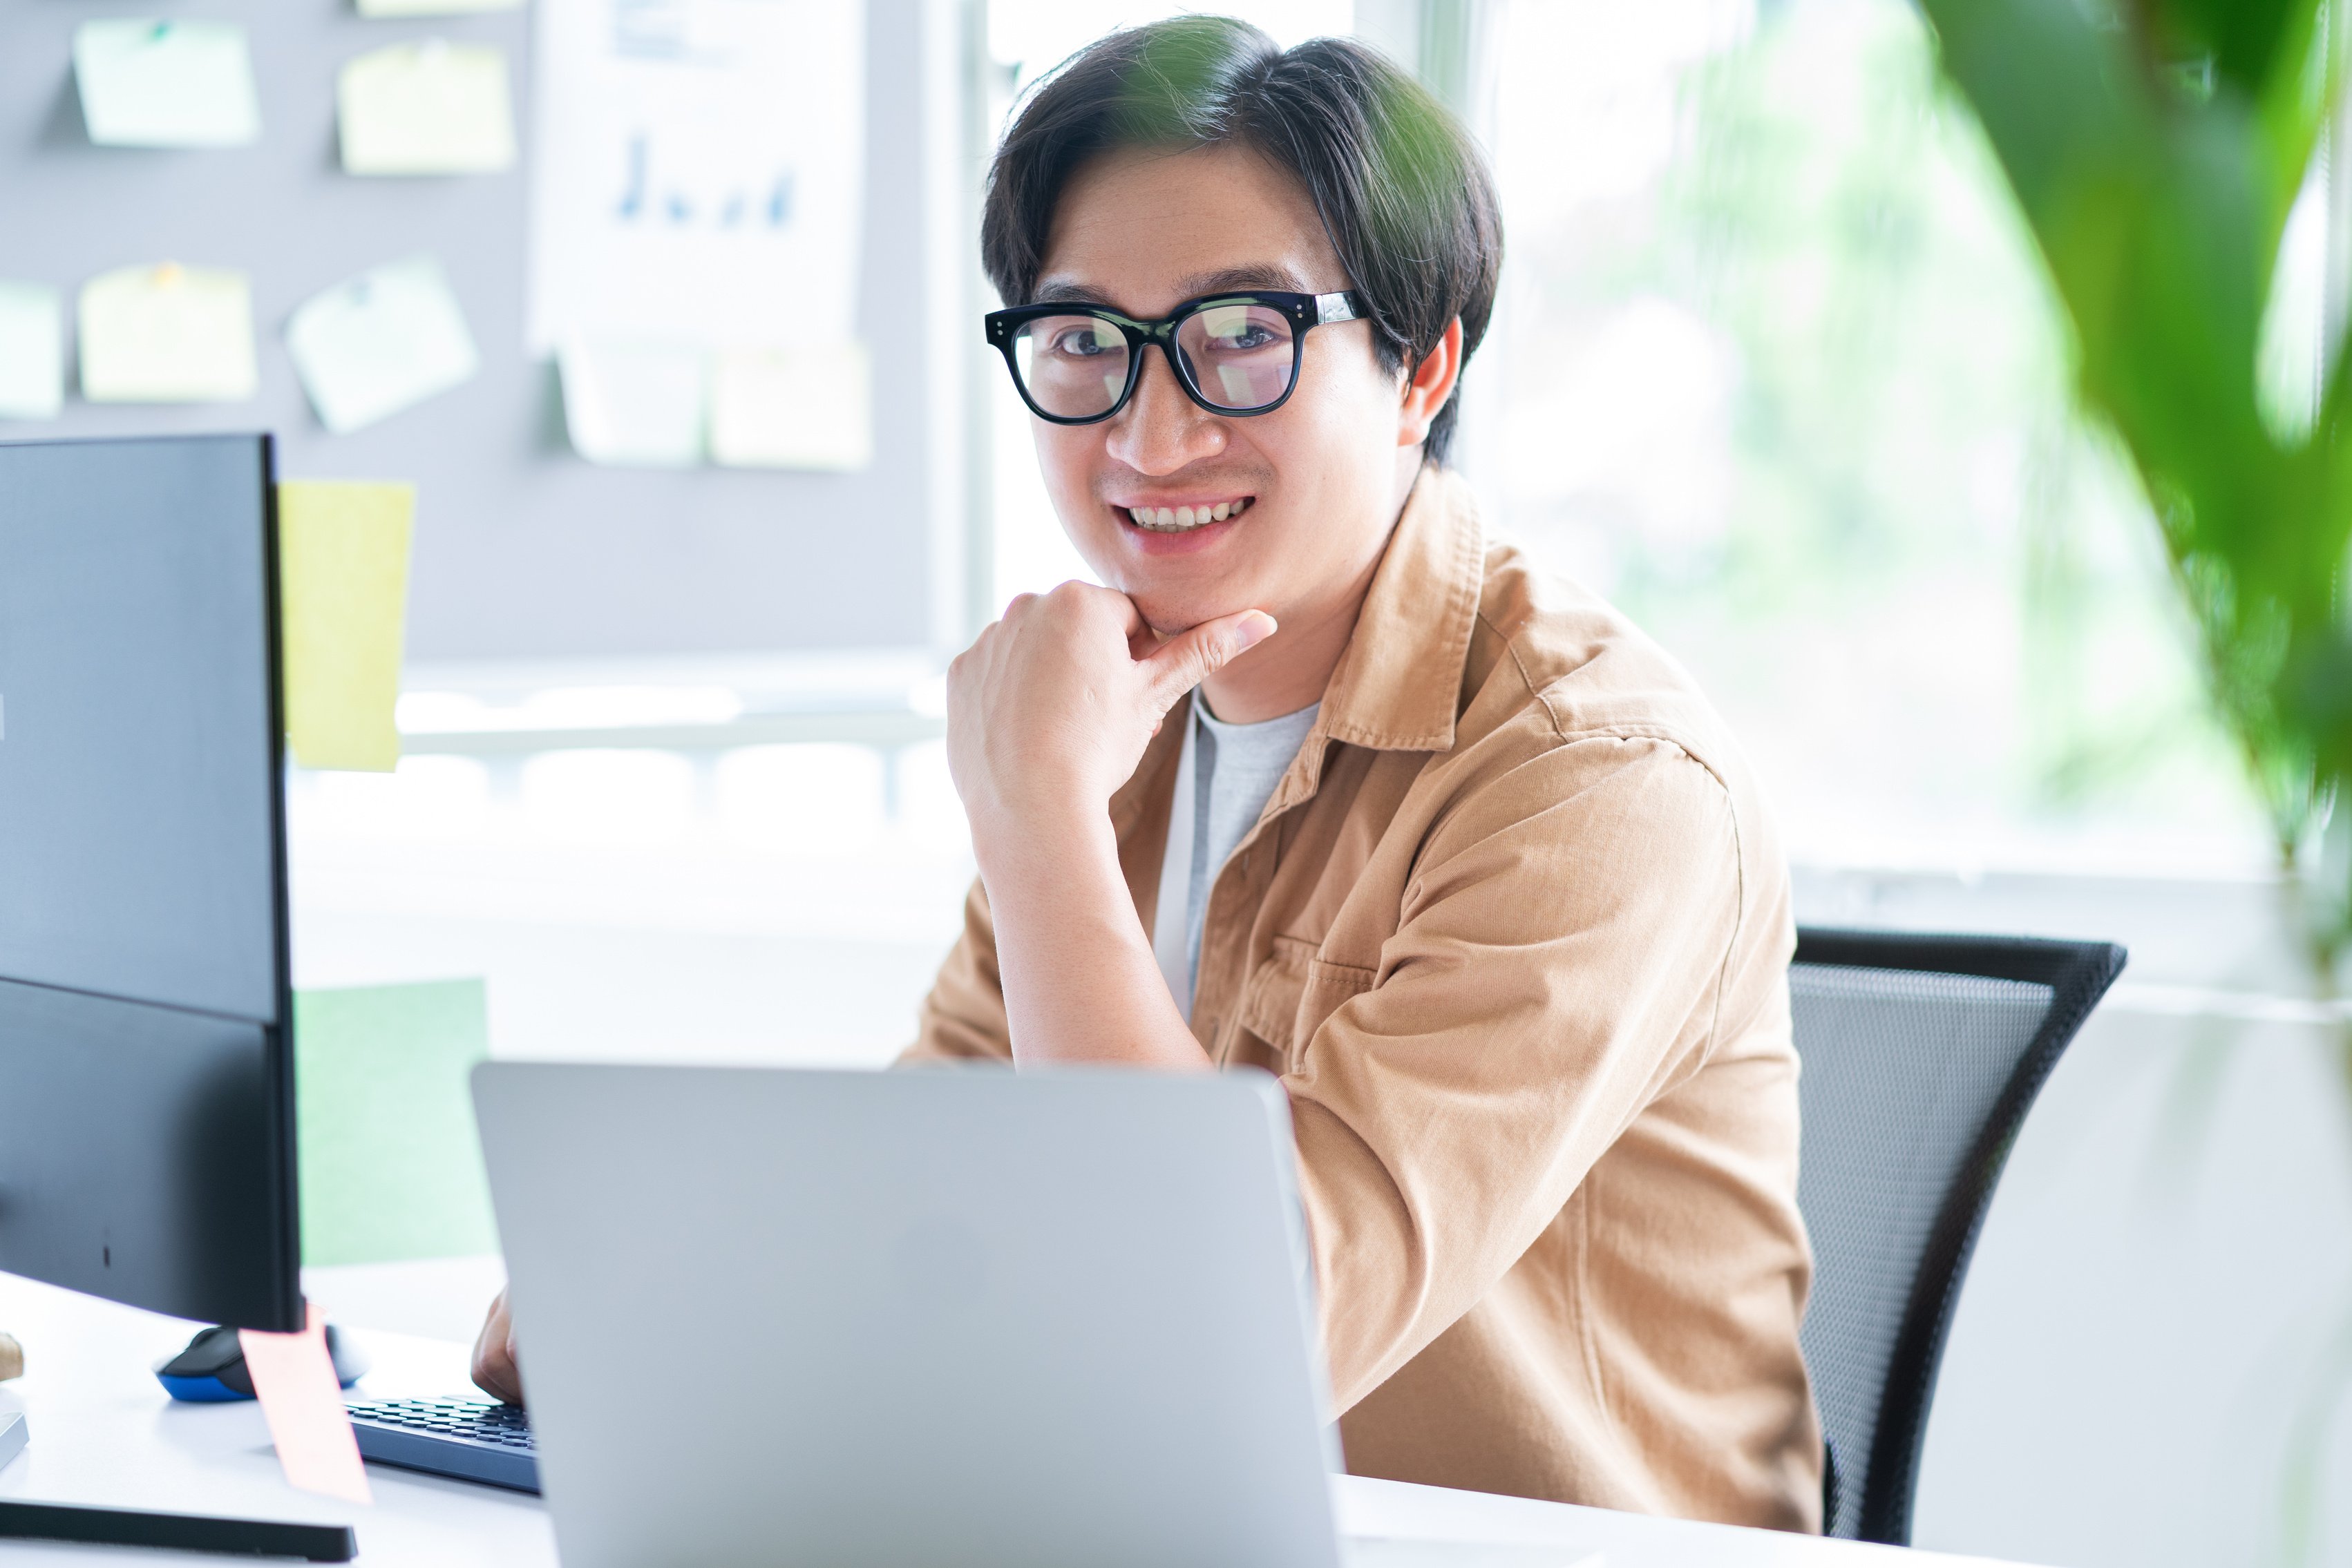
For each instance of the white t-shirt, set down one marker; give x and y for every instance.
(1223, 778)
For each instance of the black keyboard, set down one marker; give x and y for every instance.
(473, 1439)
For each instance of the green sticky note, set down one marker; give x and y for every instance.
(380, 343)
(32, 351)
(165, 84)
(343, 588)
(391, 1166)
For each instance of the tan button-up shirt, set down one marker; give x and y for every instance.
(1514, 932)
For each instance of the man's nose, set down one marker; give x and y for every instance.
(1160, 429)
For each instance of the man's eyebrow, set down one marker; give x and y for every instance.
(1064, 293)
(1229, 280)
(1262, 275)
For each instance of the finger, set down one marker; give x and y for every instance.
(1190, 657)
(499, 1376)
(495, 1370)
(492, 1378)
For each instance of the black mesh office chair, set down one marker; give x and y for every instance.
(1921, 1056)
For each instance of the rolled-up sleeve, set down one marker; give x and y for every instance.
(964, 1019)
(1556, 964)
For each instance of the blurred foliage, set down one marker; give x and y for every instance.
(1903, 399)
(1785, 378)
(2157, 150)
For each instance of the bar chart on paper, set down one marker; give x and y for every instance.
(695, 223)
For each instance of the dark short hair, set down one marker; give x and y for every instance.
(1403, 192)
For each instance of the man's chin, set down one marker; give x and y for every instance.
(1172, 615)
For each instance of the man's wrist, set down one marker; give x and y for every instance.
(1008, 841)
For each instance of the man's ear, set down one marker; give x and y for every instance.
(1429, 385)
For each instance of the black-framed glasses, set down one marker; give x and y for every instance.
(1236, 352)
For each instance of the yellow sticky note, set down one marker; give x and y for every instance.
(32, 351)
(811, 407)
(165, 84)
(167, 334)
(343, 590)
(294, 1378)
(430, 108)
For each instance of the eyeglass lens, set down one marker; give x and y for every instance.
(1240, 356)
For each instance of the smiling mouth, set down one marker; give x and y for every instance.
(1182, 520)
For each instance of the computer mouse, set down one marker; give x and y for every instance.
(211, 1369)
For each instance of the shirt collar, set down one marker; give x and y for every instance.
(1400, 679)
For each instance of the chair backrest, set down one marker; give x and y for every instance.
(1921, 1055)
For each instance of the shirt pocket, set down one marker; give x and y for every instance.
(1291, 993)
(1269, 1007)
(1330, 986)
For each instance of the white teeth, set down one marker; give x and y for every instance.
(1162, 519)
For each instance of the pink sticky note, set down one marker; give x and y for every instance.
(295, 1379)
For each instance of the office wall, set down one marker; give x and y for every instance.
(524, 551)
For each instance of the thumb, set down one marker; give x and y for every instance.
(1183, 662)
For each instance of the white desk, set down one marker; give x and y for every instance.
(102, 1433)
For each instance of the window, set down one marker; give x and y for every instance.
(1776, 370)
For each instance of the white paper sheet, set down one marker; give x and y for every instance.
(380, 343)
(697, 167)
(426, 107)
(166, 333)
(636, 406)
(148, 83)
(32, 351)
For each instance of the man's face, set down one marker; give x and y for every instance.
(1319, 480)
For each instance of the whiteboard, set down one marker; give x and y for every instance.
(524, 551)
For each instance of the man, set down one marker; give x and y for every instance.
(1323, 783)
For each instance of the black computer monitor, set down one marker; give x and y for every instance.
(146, 1076)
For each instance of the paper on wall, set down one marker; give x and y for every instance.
(697, 171)
(634, 405)
(804, 408)
(32, 351)
(429, 107)
(294, 1378)
(380, 343)
(379, 8)
(342, 577)
(391, 1165)
(166, 333)
(165, 84)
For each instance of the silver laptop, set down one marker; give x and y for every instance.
(1035, 1320)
